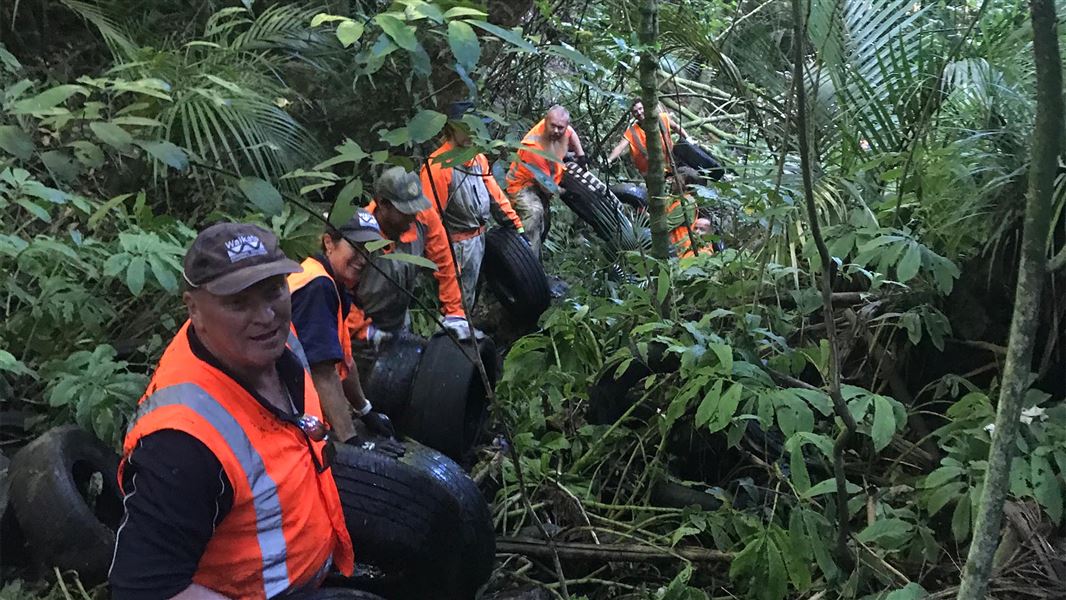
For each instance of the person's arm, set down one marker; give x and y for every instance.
(617, 151)
(440, 252)
(497, 194)
(176, 494)
(334, 401)
(358, 323)
(574, 144)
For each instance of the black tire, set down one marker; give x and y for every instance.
(448, 396)
(697, 157)
(590, 199)
(477, 534)
(336, 593)
(390, 379)
(50, 484)
(514, 274)
(631, 194)
(676, 495)
(401, 522)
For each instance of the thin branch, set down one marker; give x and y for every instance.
(609, 552)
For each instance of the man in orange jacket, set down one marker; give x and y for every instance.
(462, 194)
(225, 468)
(636, 140)
(534, 178)
(382, 297)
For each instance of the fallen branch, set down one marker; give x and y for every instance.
(608, 552)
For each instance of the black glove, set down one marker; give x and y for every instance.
(582, 161)
(378, 424)
(382, 436)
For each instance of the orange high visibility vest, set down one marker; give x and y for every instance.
(313, 270)
(519, 176)
(286, 521)
(638, 143)
(680, 238)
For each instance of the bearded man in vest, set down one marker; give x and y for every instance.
(383, 296)
(533, 179)
(321, 301)
(463, 195)
(225, 465)
(636, 140)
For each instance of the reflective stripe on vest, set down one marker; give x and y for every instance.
(269, 531)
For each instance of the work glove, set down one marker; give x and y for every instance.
(380, 427)
(461, 327)
(377, 337)
(582, 161)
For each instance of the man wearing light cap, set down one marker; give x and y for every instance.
(382, 297)
(321, 302)
(462, 193)
(225, 467)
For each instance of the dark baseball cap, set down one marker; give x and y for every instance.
(401, 189)
(362, 227)
(227, 258)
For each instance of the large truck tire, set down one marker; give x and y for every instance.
(514, 274)
(631, 194)
(696, 157)
(392, 374)
(448, 397)
(594, 203)
(67, 523)
(415, 521)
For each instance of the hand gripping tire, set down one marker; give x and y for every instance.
(590, 199)
(697, 157)
(515, 275)
(418, 520)
(50, 489)
(448, 397)
(631, 194)
(389, 383)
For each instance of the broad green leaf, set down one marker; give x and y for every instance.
(511, 36)
(136, 121)
(396, 137)
(9, 363)
(425, 10)
(1046, 487)
(462, 11)
(709, 406)
(908, 266)
(725, 356)
(829, 486)
(166, 152)
(34, 209)
(61, 165)
(411, 258)
(163, 273)
(352, 190)
(349, 151)
(944, 494)
(11, 64)
(960, 519)
(349, 32)
(16, 142)
(343, 209)
(262, 194)
(464, 44)
(378, 245)
(88, 154)
(112, 135)
(884, 528)
(425, 125)
(421, 64)
(46, 101)
(400, 32)
(941, 476)
(321, 18)
(884, 425)
(135, 275)
(911, 591)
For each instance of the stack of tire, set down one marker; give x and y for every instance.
(596, 205)
(433, 390)
(420, 527)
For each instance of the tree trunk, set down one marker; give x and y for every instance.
(1032, 268)
(649, 96)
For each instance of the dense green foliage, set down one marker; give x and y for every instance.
(191, 112)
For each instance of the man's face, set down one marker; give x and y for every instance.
(347, 262)
(246, 330)
(557, 124)
(702, 226)
(460, 136)
(638, 111)
(393, 222)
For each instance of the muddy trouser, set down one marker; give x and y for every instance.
(531, 208)
(468, 255)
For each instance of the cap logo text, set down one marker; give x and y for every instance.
(244, 246)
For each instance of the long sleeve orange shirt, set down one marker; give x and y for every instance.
(437, 188)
